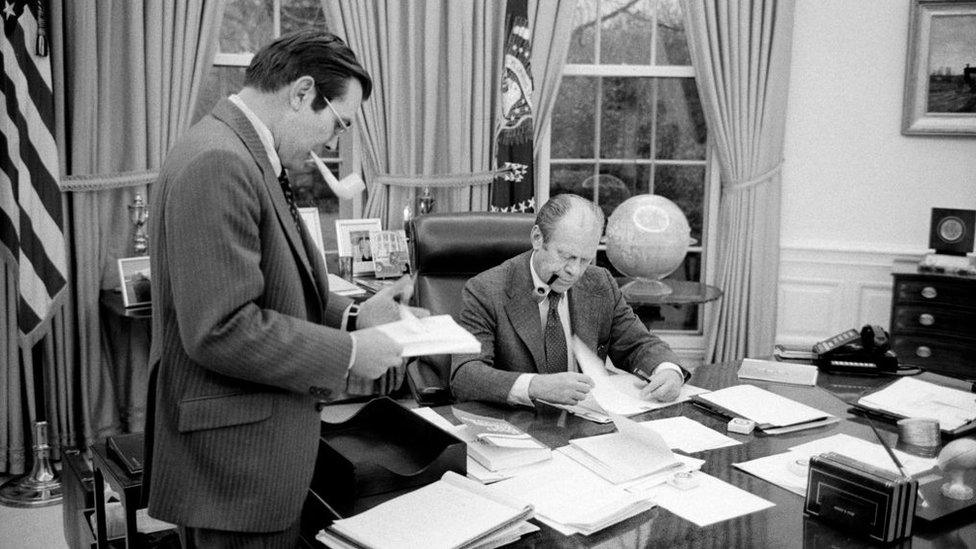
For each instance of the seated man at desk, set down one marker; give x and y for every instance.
(518, 312)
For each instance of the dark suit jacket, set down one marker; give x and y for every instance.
(240, 336)
(500, 310)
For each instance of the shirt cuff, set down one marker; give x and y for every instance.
(352, 354)
(665, 366)
(351, 310)
(520, 391)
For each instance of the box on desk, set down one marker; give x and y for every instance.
(383, 448)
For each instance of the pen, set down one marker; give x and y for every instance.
(894, 458)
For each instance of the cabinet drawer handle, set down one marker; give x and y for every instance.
(929, 292)
(926, 319)
(923, 351)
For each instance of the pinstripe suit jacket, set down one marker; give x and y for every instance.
(240, 336)
(501, 311)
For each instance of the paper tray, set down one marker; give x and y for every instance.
(383, 448)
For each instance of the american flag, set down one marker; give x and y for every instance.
(31, 220)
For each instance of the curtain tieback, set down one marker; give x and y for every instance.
(741, 185)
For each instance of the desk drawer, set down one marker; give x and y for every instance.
(943, 291)
(932, 319)
(955, 357)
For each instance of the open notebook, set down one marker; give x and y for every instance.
(432, 335)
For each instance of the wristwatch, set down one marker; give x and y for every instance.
(351, 317)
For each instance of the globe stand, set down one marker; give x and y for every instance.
(645, 287)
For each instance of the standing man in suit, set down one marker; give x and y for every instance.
(525, 311)
(246, 336)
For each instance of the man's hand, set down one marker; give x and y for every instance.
(375, 353)
(385, 306)
(664, 386)
(562, 388)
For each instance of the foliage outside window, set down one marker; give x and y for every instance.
(628, 121)
(246, 27)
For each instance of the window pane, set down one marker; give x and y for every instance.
(573, 119)
(627, 119)
(626, 32)
(618, 182)
(220, 82)
(582, 43)
(300, 14)
(568, 178)
(685, 186)
(672, 43)
(681, 131)
(247, 26)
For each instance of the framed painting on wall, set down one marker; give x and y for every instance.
(940, 72)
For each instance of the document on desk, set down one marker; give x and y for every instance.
(772, 413)
(687, 435)
(712, 501)
(432, 335)
(570, 498)
(615, 391)
(632, 452)
(909, 397)
(341, 286)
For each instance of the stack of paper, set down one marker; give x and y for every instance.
(342, 286)
(453, 512)
(432, 335)
(570, 498)
(773, 414)
(779, 372)
(909, 397)
(497, 444)
(632, 452)
(711, 501)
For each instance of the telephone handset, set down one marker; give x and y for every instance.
(866, 352)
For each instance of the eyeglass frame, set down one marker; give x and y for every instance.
(343, 127)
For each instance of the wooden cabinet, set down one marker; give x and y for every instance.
(933, 322)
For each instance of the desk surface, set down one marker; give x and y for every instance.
(781, 526)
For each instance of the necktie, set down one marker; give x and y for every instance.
(555, 338)
(290, 199)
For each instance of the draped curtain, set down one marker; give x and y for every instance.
(741, 53)
(126, 75)
(436, 68)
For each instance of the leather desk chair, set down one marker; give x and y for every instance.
(448, 249)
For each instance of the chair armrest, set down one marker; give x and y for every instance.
(426, 385)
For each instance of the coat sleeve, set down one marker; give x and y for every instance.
(222, 283)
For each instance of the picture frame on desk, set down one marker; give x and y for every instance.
(134, 281)
(352, 236)
(940, 73)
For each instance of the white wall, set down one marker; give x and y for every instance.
(857, 194)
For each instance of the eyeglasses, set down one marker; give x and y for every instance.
(342, 123)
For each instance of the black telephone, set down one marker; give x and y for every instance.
(854, 352)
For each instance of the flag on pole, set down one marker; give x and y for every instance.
(31, 220)
(513, 135)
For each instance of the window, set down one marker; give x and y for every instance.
(628, 121)
(248, 25)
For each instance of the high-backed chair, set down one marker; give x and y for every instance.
(447, 250)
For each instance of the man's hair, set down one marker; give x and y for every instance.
(319, 54)
(558, 206)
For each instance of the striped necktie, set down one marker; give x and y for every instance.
(290, 199)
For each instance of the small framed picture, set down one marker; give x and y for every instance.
(353, 239)
(134, 277)
(390, 256)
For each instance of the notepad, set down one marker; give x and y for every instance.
(432, 335)
(497, 444)
(955, 410)
(454, 512)
(632, 452)
(773, 414)
(778, 372)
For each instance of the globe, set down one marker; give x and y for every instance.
(647, 238)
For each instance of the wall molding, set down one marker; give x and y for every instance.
(825, 288)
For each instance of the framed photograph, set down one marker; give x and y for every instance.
(353, 240)
(134, 277)
(940, 73)
(390, 255)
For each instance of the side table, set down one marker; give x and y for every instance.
(683, 292)
(130, 490)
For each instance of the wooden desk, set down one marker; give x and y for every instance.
(781, 526)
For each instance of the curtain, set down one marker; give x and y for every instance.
(126, 78)
(552, 29)
(436, 70)
(741, 53)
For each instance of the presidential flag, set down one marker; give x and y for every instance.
(31, 220)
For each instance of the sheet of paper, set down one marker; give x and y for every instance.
(866, 451)
(762, 406)
(779, 372)
(634, 451)
(687, 435)
(711, 501)
(780, 469)
(342, 286)
(911, 397)
(432, 335)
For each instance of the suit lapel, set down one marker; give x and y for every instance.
(233, 117)
(584, 310)
(523, 310)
